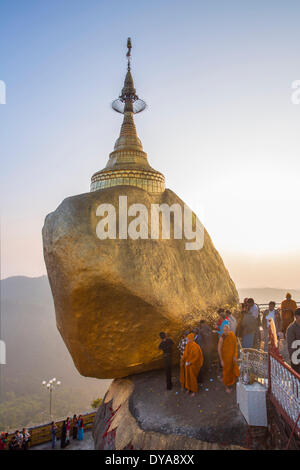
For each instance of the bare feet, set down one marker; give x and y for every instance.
(228, 390)
(193, 394)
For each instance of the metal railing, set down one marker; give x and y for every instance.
(253, 366)
(42, 433)
(283, 387)
(277, 305)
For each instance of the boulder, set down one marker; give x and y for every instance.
(113, 296)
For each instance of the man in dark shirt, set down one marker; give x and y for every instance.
(205, 341)
(247, 329)
(166, 346)
(293, 341)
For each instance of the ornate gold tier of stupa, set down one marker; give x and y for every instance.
(128, 163)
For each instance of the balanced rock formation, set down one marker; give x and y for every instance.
(112, 297)
(117, 281)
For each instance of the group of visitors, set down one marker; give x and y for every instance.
(19, 441)
(279, 320)
(284, 323)
(197, 346)
(196, 349)
(74, 425)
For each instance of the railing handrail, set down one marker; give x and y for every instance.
(45, 429)
(274, 355)
(48, 423)
(276, 303)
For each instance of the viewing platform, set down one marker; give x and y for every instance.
(41, 435)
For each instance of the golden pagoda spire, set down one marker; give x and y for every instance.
(128, 163)
(128, 135)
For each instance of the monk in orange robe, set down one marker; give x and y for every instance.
(190, 365)
(227, 349)
(288, 308)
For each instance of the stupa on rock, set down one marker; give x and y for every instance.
(128, 163)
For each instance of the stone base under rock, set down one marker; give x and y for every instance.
(139, 413)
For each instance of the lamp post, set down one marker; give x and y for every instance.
(51, 386)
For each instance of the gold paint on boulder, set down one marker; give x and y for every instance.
(112, 297)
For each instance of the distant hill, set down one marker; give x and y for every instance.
(36, 352)
(266, 294)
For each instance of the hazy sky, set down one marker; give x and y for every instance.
(220, 124)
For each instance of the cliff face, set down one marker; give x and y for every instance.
(113, 296)
(138, 413)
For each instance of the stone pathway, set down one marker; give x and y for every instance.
(211, 416)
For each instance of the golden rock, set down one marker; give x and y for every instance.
(112, 297)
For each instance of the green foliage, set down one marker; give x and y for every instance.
(96, 403)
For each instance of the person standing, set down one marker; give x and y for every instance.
(220, 312)
(244, 304)
(68, 426)
(14, 443)
(293, 342)
(166, 346)
(227, 349)
(247, 329)
(205, 341)
(19, 438)
(270, 314)
(80, 428)
(53, 434)
(26, 438)
(196, 334)
(182, 344)
(288, 308)
(74, 427)
(63, 435)
(231, 320)
(190, 365)
(223, 320)
(253, 309)
(3, 441)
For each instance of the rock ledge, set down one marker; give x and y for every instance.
(137, 413)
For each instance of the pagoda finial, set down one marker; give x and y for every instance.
(128, 163)
(128, 55)
(128, 99)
